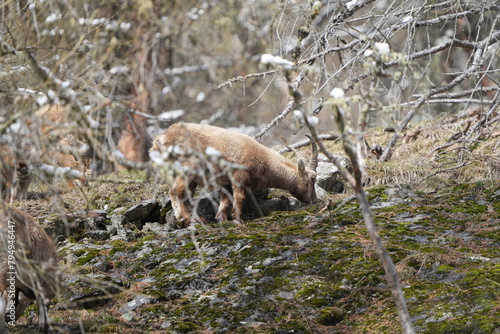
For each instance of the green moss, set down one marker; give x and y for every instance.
(87, 256)
(293, 326)
(185, 327)
(444, 269)
(146, 238)
(301, 271)
(120, 246)
(463, 325)
(330, 316)
(110, 328)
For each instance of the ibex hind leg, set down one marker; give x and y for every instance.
(181, 193)
(43, 315)
(240, 186)
(224, 205)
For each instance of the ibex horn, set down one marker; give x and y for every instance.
(314, 158)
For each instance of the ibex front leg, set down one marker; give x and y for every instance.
(224, 204)
(180, 193)
(239, 194)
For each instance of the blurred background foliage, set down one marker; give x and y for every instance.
(128, 61)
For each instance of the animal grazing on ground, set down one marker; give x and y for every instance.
(28, 267)
(262, 168)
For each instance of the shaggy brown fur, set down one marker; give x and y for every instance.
(34, 268)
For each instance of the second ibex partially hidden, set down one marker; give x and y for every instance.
(262, 168)
(28, 267)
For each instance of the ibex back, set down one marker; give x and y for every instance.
(262, 168)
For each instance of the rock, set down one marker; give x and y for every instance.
(98, 235)
(329, 177)
(98, 218)
(393, 196)
(95, 214)
(75, 224)
(135, 303)
(160, 229)
(282, 203)
(129, 316)
(142, 212)
(118, 230)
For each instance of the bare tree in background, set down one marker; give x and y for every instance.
(116, 65)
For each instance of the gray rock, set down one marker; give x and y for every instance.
(139, 213)
(135, 303)
(98, 235)
(118, 231)
(329, 177)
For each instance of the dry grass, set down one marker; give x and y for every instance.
(433, 159)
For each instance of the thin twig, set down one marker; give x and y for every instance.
(356, 181)
(242, 78)
(289, 107)
(306, 142)
(445, 171)
(477, 62)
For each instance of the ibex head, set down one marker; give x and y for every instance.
(304, 189)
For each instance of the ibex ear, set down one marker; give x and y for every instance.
(301, 167)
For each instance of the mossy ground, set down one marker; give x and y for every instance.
(309, 271)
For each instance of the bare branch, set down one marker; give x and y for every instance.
(306, 142)
(289, 107)
(244, 77)
(476, 64)
(356, 181)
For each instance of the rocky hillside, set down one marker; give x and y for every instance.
(312, 270)
(295, 269)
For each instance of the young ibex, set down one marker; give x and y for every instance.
(262, 167)
(28, 267)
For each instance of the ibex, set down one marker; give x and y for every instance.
(28, 267)
(262, 167)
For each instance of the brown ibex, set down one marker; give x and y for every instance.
(28, 267)
(262, 168)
